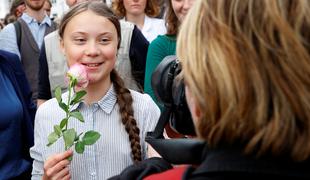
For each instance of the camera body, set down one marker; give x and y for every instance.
(169, 90)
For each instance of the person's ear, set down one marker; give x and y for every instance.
(192, 105)
(62, 46)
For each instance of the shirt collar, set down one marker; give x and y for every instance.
(28, 19)
(147, 23)
(106, 103)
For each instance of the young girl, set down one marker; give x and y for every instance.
(90, 35)
(142, 13)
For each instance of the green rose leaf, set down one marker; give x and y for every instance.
(90, 137)
(79, 147)
(70, 158)
(69, 136)
(53, 137)
(57, 130)
(77, 115)
(63, 123)
(64, 107)
(58, 94)
(78, 97)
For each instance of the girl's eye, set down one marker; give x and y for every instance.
(79, 40)
(104, 40)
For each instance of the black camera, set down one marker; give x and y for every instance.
(170, 91)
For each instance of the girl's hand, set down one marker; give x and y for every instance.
(56, 166)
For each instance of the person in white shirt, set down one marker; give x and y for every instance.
(142, 13)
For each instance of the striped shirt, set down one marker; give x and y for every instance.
(111, 153)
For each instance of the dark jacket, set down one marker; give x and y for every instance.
(231, 163)
(11, 66)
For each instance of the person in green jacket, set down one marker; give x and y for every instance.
(165, 45)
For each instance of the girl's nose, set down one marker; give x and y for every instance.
(92, 50)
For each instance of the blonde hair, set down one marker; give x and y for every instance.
(247, 63)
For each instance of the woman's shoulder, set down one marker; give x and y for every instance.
(144, 106)
(137, 96)
(163, 41)
(142, 99)
(47, 105)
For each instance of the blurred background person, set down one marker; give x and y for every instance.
(165, 45)
(17, 113)
(1, 24)
(9, 18)
(25, 38)
(246, 66)
(17, 8)
(47, 7)
(142, 13)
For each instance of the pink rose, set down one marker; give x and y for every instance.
(78, 72)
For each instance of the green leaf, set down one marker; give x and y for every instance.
(63, 123)
(78, 97)
(53, 137)
(70, 158)
(57, 130)
(64, 107)
(90, 137)
(77, 115)
(69, 136)
(73, 82)
(79, 147)
(58, 94)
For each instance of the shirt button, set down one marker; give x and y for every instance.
(93, 174)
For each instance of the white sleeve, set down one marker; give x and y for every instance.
(36, 150)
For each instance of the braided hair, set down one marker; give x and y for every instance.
(124, 100)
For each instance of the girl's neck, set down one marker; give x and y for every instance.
(138, 20)
(95, 92)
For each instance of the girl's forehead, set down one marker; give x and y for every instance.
(88, 21)
(89, 15)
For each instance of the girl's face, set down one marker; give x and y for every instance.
(135, 7)
(181, 7)
(91, 40)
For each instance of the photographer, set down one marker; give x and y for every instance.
(246, 66)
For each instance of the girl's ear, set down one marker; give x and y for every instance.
(62, 46)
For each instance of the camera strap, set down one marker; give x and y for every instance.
(175, 151)
(159, 129)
